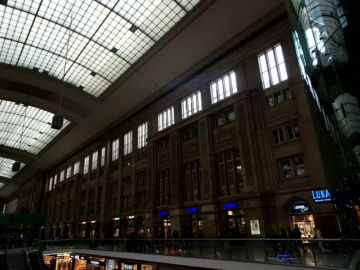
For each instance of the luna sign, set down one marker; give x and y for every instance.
(321, 195)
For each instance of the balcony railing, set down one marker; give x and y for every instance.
(324, 253)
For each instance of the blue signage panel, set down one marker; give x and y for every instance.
(164, 214)
(321, 195)
(230, 205)
(300, 207)
(192, 210)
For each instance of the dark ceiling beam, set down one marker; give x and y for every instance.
(17, 154)
(35, 92)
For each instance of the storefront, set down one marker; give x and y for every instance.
(325, 217)
(83, 228)
(80, 262)
(95, 263)
(164, 226)
(63, 262)
(193, 223)
(93, 227)
(112, 264)
(130, 228)
(148, 267)
(234, 220)
(129, 266)
(50, 262)
(114, 227)
(302, 216)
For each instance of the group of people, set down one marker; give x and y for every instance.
(295, 244)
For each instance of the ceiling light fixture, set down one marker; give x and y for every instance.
(16, 166)
(58, 119)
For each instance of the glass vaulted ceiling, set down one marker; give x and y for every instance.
(6, 168)
(106, 36)
(25, 127)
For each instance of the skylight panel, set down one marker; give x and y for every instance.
(26, 128)
(188, 4)
(29, 6)
(106, 36)
(6, 168)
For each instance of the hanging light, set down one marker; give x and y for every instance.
(16, 166)
(58, 119)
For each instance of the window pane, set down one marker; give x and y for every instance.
(233, 82)
(227, 86)
(213, 93)
(262, 62)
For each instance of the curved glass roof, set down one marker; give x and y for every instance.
(6, 168)
(106, 36)
(26, 127)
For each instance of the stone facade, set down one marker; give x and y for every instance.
(211, 174)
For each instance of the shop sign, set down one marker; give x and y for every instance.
(83, 222)
(321, 195)
(130, 217)
(115, 219)
(94, 262)
(299, 207)
(77, 257)
(192, 210)
(92, 221)
(230, 205)
(254, 227)
(164, 214)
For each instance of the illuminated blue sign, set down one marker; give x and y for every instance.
(192, 210)
(321, 195)
(230, 205)
(300, 207)
(164, 214)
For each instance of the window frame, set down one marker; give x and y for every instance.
(128, 143)
(191, 104)
(142, 135)
(115, 149)
(272, 65)
(166, 118)
(223, 87)
(94, 160)
(86, 165)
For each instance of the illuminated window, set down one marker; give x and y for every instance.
(62, 175)
(191, 105)
(86, 165)
(50, 183)
(102, 161)
(223, 87)
(128, 138)
(94, 161)
(77, 167)
(55, 179)
(142, 135)
(68, 172)
(115, 150)
(166, 118)
(272, 67)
